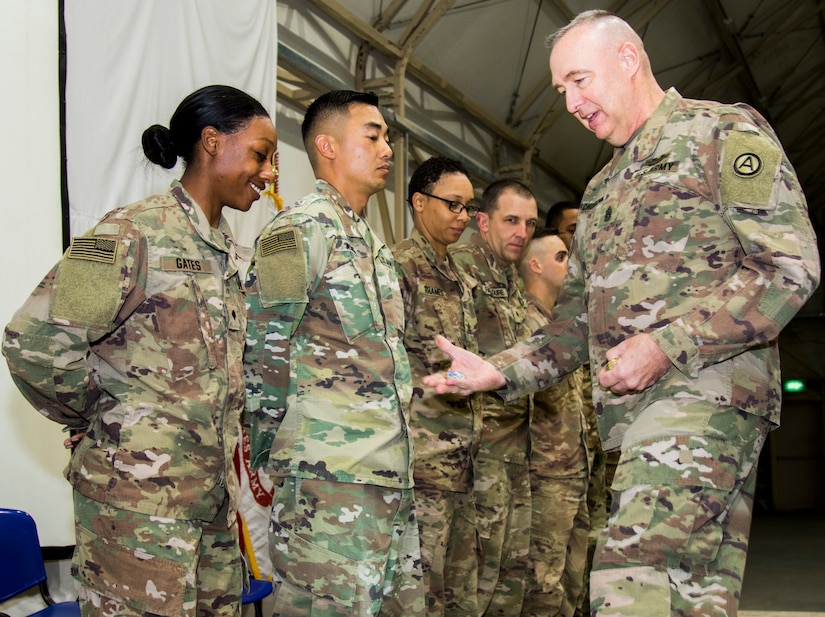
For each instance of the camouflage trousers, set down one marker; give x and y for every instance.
(130, 564)
(602, 469)
(502, 494)
(558, 545)
(341, 549)
(677, 536)
(449, 551)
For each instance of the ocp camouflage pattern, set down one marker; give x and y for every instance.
(328, 379)
(436, 301)
(501, 313)
(559, 476)
(445, 428)
(136, 338)
(674, 240)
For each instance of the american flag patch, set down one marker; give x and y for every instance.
(93, 249)
(279, 241)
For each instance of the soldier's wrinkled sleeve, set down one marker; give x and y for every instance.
(762, 202)
(48, 342)
(408, 284)
(553, 351)
(277, 288)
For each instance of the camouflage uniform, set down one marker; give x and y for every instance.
(502, 481)
(598, 489)
(328, 384)
(558, 484)
(444, 427)
(136, 337)
(697, 233)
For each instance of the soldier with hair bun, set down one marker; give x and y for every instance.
(134, 340)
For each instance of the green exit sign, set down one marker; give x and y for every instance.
(793, 385)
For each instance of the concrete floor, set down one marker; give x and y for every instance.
(784, 575)
(785, 571)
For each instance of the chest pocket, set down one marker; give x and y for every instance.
(187, 338)
(508, 313)
(441, 309)
(347, 289)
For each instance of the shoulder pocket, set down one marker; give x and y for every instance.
(750, 164)
(89, 282)
(280, 267)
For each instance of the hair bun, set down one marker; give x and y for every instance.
(159, 147)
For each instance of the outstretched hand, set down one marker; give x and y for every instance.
(468, 372)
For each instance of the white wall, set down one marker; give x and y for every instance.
(31, 452)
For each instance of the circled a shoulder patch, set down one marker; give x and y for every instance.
(750, 162)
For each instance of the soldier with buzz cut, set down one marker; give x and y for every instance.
(329, 385)
(444, 426)
(559, 461)
(135, 340)
(693, 249)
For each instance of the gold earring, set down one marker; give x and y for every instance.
(274, 161)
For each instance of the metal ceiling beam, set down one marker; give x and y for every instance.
(388, 14)
(426, 76)
(546, 119)
(527, 101)
(316, 82)
(782, 25)
(724, 27)
(565, 10)
(436, 83)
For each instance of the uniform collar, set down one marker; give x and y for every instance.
(445, 266)
(333, 195)
(644, 141)
(220, 239)
(509, 271)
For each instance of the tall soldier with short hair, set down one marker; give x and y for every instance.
(693, 249)
(506, 222)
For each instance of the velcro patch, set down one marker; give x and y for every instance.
(185, 264)
(749, 166)
(108, 229)
(88, 283)
(101, 250)
(281, 267)
(284, 240)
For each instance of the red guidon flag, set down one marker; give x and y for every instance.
(254, 511)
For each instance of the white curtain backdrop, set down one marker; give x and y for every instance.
(129, 63)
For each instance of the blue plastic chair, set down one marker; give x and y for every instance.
(21, 564)
(258, 590)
